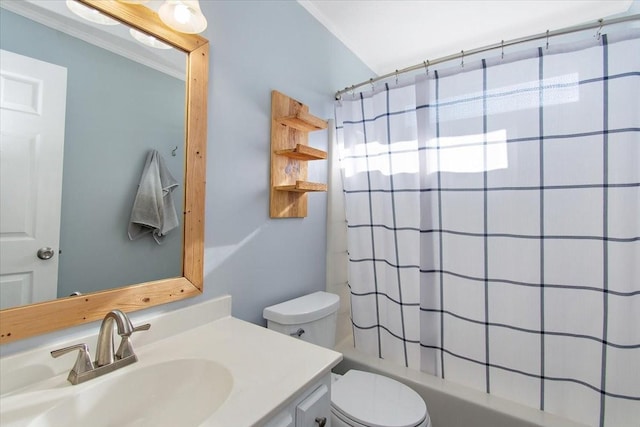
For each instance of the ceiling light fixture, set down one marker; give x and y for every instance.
(90, 14)
(183, 15)
(148, 40)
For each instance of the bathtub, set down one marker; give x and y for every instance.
(450, 404)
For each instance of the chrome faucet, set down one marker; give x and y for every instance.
(108, 359)
(105, 348)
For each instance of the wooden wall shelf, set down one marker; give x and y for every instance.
(302, 187)
(303, 121)
(303, 152)
(291, 123)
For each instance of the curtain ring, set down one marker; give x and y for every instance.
(462, 61)
(373, 87)
(547, 39)
(426, 66)
(599, 32)
(502, 47)
(396, 77)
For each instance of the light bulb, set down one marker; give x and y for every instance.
(183, 15)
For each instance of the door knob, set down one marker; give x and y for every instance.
(45, 253)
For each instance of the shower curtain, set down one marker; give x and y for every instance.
(493, 222)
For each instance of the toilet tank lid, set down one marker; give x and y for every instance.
(304, 309)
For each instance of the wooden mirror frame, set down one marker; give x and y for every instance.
(35, 319)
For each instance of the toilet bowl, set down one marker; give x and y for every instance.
(358, 398)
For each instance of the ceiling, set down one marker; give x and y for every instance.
(389, 35)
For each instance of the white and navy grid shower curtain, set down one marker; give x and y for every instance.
(493, 215)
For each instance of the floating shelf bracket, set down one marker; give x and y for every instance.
(290, 152)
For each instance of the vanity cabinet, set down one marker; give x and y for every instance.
(309, 408)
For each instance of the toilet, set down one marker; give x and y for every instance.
(358, 398)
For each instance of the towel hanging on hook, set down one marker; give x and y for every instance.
(154, 210)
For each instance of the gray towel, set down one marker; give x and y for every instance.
(153, 209)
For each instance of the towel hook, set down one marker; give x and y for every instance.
(173, 151)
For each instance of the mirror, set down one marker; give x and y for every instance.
(21, 322)
(120, 99)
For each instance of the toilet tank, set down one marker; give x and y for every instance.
(312, 318)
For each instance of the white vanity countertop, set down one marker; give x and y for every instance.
(268, 368)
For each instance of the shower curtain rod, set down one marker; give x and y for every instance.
(425, 64)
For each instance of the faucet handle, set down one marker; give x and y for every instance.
(144, 327)
(126, 348)
(83, 362)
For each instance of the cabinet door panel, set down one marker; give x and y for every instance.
(315, 410)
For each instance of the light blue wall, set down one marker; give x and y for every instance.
(258, 46)
(113, 109)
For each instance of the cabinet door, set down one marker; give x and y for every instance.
(315, 410)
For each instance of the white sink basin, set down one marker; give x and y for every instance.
(172, 393)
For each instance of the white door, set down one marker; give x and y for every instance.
(32, 114)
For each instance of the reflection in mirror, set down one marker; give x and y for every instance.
(24, 321)
(117, 110)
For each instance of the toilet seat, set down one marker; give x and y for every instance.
(376, 401)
